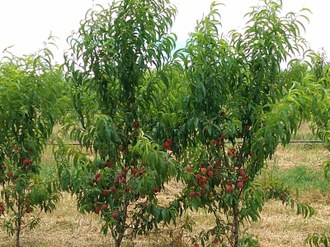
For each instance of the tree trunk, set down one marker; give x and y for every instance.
(121, 229)
(236, 225)
(19, 228)
(117, 242)
(18, 232)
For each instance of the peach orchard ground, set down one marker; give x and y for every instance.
(278, 227)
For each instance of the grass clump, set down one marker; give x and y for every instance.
(302, 178)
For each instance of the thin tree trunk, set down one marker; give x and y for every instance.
(19, 227)
(18, 232)
(119, 239)
(117, 242)
(236, 224)
(121, 231)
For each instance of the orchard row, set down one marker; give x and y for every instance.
(207, 116)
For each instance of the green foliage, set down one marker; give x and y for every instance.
(30, 88)
(321, 112)
(115, 66)
(321, 126)
(327, 169)
(317, 240)
(208, 115)
(237, 108)
(115, 47)
(219, 107)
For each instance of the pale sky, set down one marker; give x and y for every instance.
(27, 24)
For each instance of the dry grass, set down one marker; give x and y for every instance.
(279, 226)
(64, 227)
(304, 132)
(301, 154)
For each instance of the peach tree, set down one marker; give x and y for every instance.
(320, 72)
(30, 87)
(118, 54)
(321, 112)
(238, 107)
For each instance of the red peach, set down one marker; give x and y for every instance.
(113, 189)
(97, 210)
(107, 164)
(134, 172)
(241, 172)
(240, 185)
(27, 162)
(121, 148)
(28, 210)
(213, 142)
(203, 180)
(156, 189)
(203, 170)
(188, 169)
(169, 141)
(115, 215)
(229, 183)
(229, 189)
(136, 124)
(10, 175)
(103, 207)
(105, 192)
